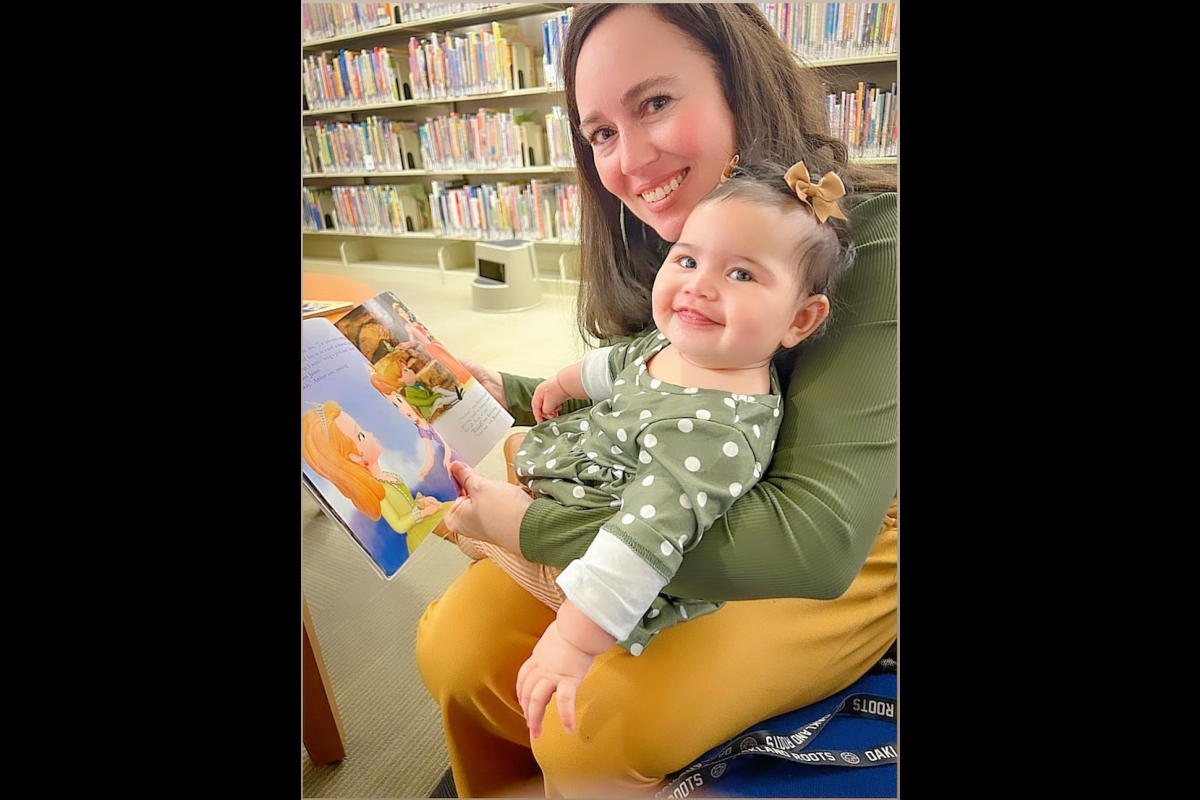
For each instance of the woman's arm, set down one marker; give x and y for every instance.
(807, 527)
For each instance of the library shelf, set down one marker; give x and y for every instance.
(442, 257)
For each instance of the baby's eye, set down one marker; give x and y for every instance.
(741, 275)
(687, 262)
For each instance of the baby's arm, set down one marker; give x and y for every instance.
(560, 661)
(589, 378)
(550, 394)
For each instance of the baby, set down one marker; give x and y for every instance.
(684, 418)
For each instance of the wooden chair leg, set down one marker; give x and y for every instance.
(321, 724)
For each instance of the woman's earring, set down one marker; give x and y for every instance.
(623, 238)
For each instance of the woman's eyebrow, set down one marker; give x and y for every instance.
(631, 93)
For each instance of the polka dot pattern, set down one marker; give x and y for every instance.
(665, 460)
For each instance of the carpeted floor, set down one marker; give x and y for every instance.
(366, 626)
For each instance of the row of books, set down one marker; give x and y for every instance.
(377, 209)
(450, 66)
(498, 211)
(558, 138)
(348, 78)
(413, 12)
(554, 34)
(440, 67)
(494, 211)
(327, 20)
(816, 31)
(374, 144)
(445, 66)
(866, 120)
(487, 139)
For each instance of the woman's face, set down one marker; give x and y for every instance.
(652, 109)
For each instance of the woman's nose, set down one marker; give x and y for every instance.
(636, 150)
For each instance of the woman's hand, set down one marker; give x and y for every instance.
(488, 510)
(489, 379)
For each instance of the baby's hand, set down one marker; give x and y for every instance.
(556, 667)
(547, 400)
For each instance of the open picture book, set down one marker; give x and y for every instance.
(384, 409)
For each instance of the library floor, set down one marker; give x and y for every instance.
(366, 626)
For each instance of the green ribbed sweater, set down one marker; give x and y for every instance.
(806, 528)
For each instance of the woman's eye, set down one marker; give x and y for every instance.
(362, 437)
(687, 262)
(741, 275)
(599, 136)
(657, 103)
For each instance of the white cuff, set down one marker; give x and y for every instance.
(612, 585)
(594, 374)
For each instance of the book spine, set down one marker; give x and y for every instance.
(369, 80)
(343, 77)
(547, 65)
(504, 81)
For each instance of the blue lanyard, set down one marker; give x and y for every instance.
(794, 746)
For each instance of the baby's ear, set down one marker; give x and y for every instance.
(812, 312)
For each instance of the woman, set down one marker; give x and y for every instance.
(661, 97)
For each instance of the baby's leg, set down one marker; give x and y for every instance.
(537, 579)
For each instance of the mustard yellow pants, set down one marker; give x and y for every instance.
(638, 718)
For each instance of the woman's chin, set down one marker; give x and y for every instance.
(669, 227)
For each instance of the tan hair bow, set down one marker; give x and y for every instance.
(821, 196)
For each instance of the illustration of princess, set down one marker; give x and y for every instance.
(336, 448)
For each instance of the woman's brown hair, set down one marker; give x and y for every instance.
(779, 115)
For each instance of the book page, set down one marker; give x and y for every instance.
(410, 359)
(319, 308)
(385, 477)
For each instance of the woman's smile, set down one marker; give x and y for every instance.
(665, 190)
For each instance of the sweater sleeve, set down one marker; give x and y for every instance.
(806, 528)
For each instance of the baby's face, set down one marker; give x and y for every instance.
(729, 291)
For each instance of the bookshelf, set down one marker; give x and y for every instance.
(366, 149)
